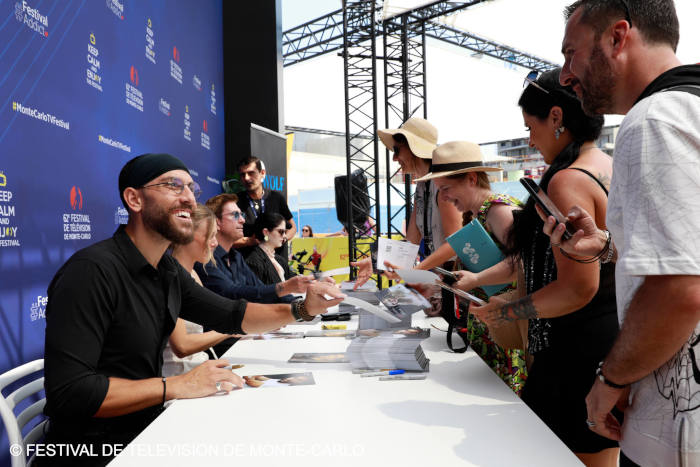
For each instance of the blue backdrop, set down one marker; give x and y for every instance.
(84, 87)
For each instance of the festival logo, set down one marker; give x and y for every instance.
(32, 18)
(134, 97)
(121, 216)
(164, 107)
(205, 141)
(76, 226)
(188, 124)
(116, 8)
(93, 78)
(76, 198)
(8, 233)
(175, 68)
(38, 308)
(150, 42)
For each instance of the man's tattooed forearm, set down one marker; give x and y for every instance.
(520, 309)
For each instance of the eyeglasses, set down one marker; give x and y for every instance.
(531, 78)
(627, 12)
(305, 230)
(235, 215)
(178, 186)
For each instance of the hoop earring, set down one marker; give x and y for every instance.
(559, 131)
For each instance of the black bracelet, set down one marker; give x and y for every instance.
(607, 382)
(163, 390)
(602, 252)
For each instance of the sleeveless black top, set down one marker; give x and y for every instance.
(595, 323)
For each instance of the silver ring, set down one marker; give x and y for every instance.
(218, 386)
(590, 424)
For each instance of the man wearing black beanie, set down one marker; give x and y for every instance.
(112, 307)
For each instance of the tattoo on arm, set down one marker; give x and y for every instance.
(522, 308)
(604, 179)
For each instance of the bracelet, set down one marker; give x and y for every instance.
(295, 310)
(606, 248)
(611, 251)
(163, 390)
(303, 313)
(607, 382)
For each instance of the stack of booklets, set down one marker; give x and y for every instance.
(397, 349)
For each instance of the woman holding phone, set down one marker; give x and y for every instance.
(570, 303)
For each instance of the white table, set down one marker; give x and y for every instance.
(462, 414)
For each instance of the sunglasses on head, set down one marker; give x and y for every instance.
(531, 79)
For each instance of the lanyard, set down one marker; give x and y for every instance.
(253, 205)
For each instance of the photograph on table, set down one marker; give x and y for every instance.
(285, 379)
(318, 357)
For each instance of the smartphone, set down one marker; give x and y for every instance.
(546, 204)
(450, 277)
(461, 293)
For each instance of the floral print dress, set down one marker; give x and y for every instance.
(508, 364)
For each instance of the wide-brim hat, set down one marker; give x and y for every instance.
(421, 135)
(457, 157)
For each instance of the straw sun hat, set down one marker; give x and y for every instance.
(420, 134)
(457, 157)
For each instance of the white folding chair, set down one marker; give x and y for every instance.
(14, 424)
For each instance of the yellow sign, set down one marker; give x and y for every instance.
(321, 254)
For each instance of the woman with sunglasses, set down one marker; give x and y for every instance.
(270, 268)
(307, 232)
(187, 344)
(570, 302)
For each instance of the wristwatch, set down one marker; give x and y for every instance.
(607, 382)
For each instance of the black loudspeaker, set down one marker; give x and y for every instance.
(359, 199)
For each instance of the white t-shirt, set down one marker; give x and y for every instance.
(654, 218)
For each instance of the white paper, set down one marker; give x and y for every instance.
(375, 310)
(335, 272)
(400, 254)
(417, 276)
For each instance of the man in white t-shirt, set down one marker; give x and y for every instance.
(620, 58)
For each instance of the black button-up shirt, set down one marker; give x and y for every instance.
(110, 313)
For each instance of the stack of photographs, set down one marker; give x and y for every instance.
(389, 349)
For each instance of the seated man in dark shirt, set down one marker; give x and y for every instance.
(113, 305)
(231, 276)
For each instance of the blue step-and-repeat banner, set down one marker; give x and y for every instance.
(85, 85)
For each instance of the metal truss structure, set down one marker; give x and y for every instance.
(355, 29)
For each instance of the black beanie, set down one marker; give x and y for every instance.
(142, 169)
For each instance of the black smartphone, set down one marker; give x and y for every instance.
(546, 204)
(449, 277)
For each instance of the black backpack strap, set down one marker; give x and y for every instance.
(461, 332)
(689, 89)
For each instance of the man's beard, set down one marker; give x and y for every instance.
(159, 219)
(598, 85)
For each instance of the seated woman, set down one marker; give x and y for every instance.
(187, 343)
(270, 229)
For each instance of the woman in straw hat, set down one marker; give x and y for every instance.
(431, 221)
(570, 306)
(460, 174)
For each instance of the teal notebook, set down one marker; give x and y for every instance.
(477, 251)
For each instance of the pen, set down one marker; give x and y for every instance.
(384, 373)
(395, 377)
(359, 371)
